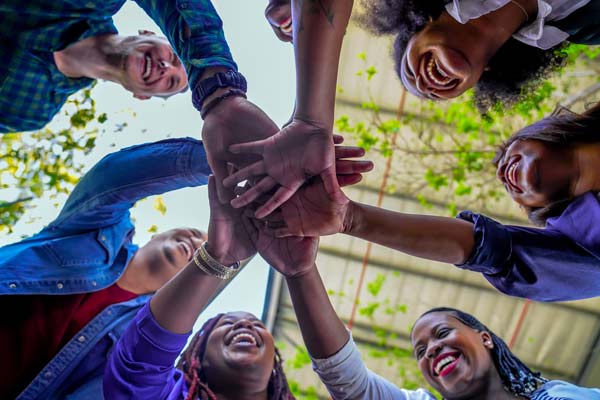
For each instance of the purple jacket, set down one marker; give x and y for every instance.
(559, 263)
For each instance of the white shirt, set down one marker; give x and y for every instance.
(536, 33)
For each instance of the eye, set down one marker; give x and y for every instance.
(443, 332)
(226, 322)
(420, 352)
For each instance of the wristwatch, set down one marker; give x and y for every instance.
(206, 87)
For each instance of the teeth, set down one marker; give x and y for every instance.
(148, 67)
(511, 172)
(443, 363)
(433, 76)
(243, 337)
(286, 27)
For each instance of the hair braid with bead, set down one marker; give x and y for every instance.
(191, 365)
(515, 375)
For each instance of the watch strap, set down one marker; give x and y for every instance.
(206, 87)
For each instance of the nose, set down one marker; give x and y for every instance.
(164, 66)
(243, 323)
(433, 350)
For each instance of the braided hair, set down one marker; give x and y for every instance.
(505, 82)
(517, 378)
(562, 129)
(191, 365)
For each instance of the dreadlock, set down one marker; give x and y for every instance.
(191, 365)
(563, 129)
(517, 378)
(506, 82)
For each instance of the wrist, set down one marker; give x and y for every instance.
(352, 218)
(214, 82)
(218, 254)
(319, 125)
(301, 276)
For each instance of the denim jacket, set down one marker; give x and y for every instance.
(87, 247)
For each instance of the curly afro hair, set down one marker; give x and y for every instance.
(505, 82)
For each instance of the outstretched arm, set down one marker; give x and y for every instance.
(304, 147)
(143, 360)
(313, 212)
(555, 264)
(106, 193)
(335, 358)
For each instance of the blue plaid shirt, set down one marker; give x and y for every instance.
(32, 89)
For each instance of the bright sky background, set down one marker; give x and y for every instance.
(268, 66)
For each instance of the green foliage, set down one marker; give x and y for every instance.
(46, 161)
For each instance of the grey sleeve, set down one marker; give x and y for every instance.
(347, 378)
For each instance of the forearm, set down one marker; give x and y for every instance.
(319, 28)
(107, 192)
(435, 238)
(322, 330)
(177, 305)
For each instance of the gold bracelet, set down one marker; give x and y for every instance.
(209, 265)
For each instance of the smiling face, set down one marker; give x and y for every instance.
(454, 358)
(239, 345)
(279, 15)
(150, 67)
(536, 174)
(442, 60)
(169, 252)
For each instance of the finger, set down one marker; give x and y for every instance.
(348, 180)
(337, 139)
(220, 172)
(258, 168)
(212, 195)
(331, 185)
(346, 167)
(348, 151)
(256, 147)
(281, 196)
(254, 192)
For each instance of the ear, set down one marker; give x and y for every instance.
(145, 32)
(141, 97)
(486, 339)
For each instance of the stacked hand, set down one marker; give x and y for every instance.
(298, 164)
(297, 152)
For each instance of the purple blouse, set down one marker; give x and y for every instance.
(559, 263)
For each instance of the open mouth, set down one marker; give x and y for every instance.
(147, 67)
(512, 174)
(445, 364)
(286, 26)
(245, 338)
(435, 75)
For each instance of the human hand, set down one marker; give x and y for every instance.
(228, 240)
(297, 152)
(235, 120)
(279, 15)
(291, 256)
(311, 211)
(349, 172)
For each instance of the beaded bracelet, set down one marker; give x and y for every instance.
(214, 102)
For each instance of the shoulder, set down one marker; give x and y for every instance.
(560, 390)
